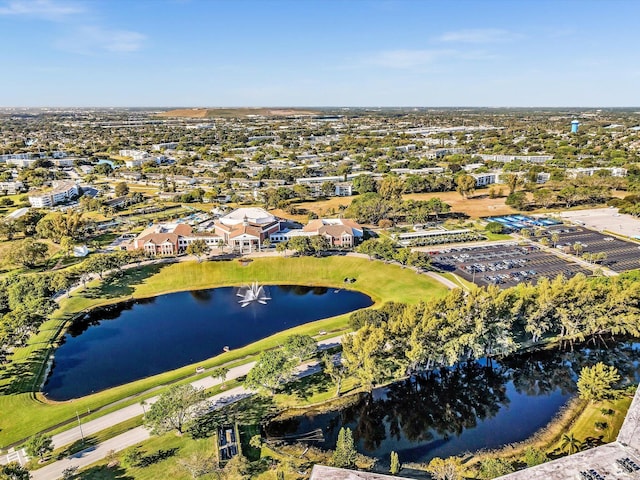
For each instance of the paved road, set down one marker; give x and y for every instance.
(94, 426)
(95, 453)
(126, 413)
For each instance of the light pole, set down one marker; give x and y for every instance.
(144, 412)
(80, 425)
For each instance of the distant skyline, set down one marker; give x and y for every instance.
(224, 53)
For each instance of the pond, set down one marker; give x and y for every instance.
(132, 340)
(469, 407)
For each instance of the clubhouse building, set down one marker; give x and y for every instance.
(244, 230)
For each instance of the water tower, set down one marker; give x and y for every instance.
(574, 126)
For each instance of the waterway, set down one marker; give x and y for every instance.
(132, 340)
(469, 407)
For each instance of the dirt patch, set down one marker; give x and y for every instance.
(477, 206)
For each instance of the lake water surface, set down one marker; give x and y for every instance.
(133, 340)
(472, 406)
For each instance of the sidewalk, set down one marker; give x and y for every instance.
(94, 426)
(96, 453)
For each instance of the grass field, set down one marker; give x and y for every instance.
(31, 412)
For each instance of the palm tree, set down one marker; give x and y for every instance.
(555, 236)
(571, 443)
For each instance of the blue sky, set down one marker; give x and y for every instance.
(319, 53)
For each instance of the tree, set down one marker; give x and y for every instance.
(58, 225)
(512, 181)
(121, 189)
(238, 468)
(131, 456)
(174, 409)
(39, 445)
(300, 347)
(221, 374)
(28, 252)
(328, 189)
(8, 228)
(465, 185)
(495, 467)
(281, 247)
(197, 248)
(14, 471)
(555, 237)
(391, 188)
(69, 472)
(596, 383)
(517, 200)
(364, 184)
(570, 443)
(395, 467)
(544, 197)
(336, 372)
(534, 456)
(66, 245)
(273, 368)
(577, 248)
(446, 469)
(494, 227)
(198, 464)
(345, 453)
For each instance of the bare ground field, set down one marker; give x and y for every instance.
(480, 205)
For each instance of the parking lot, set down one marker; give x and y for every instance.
(620, 255)
(505, 265)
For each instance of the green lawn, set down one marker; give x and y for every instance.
(31, 412)
(584, 428)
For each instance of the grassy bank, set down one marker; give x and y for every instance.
(578, 418)
(31, 412)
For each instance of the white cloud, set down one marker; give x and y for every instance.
(88, 40)
(407, 58)
(480, 35)
(45, 9)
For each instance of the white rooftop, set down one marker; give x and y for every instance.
(253, 215)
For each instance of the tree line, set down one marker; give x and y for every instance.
(26, 301)
(398, 340)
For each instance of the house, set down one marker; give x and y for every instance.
(170, 239)
(246, 229)
(60, 193)
(484, 179)
(11, 188)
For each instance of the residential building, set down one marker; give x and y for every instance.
(484, 179)
(522, 158)
(11, 188)
(60, 193)
(164, 146)
(62, 162)
(590, 171)
(315, 184)
(543, 177)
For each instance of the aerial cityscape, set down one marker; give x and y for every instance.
(356, 240)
